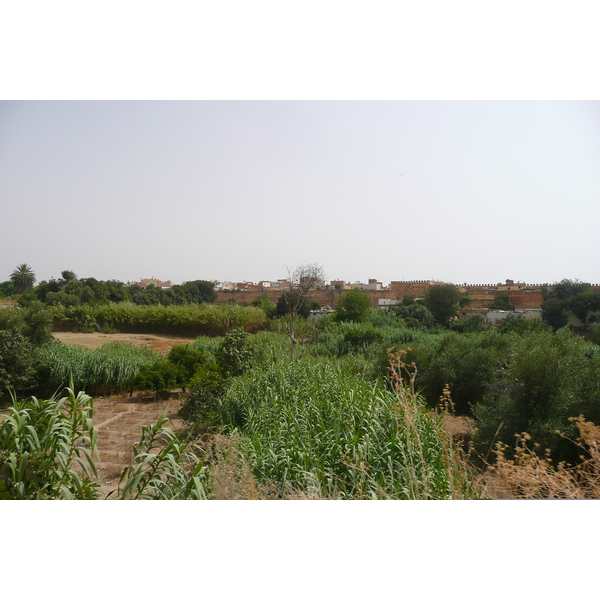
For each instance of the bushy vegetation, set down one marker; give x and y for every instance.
(330, 419)
(189, 319)
(19, 362)
(546, 380)
(313, 429)
(569, 296)
(354, 305)
(47, 449)
(233, 357)
(112, 367)
(70, 291)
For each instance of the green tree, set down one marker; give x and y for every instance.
(198, 291)
(23, 277)
(19, 363)
(68, 275)
(7, 289)
(289, 301)
(568, 296)
(45, 287)
(266, 304)
(207, 388)
(502, 302)
(565, 289)
(355, 305)
(584, 303)
(234, 356)
(188, 359)
(418, 316)
(34, 322)
(554, 313)
(443, 301)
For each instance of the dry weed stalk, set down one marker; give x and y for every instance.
(530, 476)
(446, 403)
(230, 475)
(462, 479)
(398, 370)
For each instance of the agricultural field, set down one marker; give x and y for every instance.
(159, 343)
(119, 421)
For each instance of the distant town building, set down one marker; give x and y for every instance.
(144, 283)
(8, 304)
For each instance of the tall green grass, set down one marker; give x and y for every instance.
(314, 428)
(47, 449)
(111, 367)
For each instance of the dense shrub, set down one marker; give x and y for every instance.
(34, 322)
(467, 363)
(265, 303)
(362, 337)
(471, 324)
(159, 377)
(354, 305)
(234, 356)
(187, 359)
(519, 323)
(207, 388)
(546, 379)
(19, 363)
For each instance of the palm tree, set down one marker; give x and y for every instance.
(23, 277)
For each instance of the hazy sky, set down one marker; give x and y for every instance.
(460, 191)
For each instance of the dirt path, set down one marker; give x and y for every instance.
(119, 420)
(160, 343)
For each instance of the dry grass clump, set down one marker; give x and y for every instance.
(528, 475)
(230, 476)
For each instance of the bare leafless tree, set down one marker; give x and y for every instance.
(303, 282)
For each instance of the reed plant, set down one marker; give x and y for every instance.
(164, 467)
(314, 429)
(112, 367)
(47, 449)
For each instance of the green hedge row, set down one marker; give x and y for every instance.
(189, 319)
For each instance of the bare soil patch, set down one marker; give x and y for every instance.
(119, 420)
(160, 343)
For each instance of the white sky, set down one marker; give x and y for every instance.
(491, 178)
(473, 191)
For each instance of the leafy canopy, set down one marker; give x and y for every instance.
(355, 305)
(23, 277)
(443, 301)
